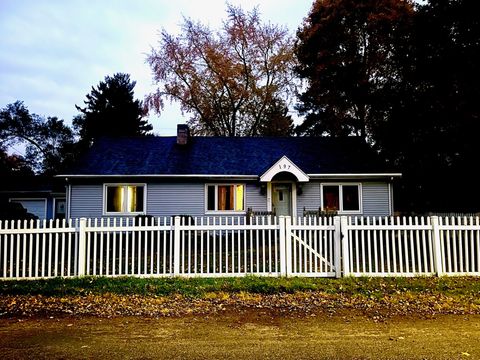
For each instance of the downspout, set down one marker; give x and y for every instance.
(69, 195)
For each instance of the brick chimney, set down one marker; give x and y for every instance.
(183, 133)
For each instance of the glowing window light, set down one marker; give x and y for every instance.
(120, 196)
(225, 198)
(124, 199)
(239, 198)
(115, 199)
(131, 198)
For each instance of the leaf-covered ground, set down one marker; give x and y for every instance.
(377, 298)
(299, 303)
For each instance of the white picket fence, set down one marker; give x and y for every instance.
(404, 246)
(237, 246)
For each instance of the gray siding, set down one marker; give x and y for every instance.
(376, 199)
(163, 199)
(166, 199)
(86, 201)
(254, 199)
(310, 197)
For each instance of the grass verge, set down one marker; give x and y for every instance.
(200, 287)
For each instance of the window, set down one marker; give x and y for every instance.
(331, 197)
(341, 197)
(350, 198)
(36, 207)
(225, 197)
(124, 198)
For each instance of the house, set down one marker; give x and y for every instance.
(42, 197)
(165, 176)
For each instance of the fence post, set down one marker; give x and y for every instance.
(283, 264)
(345, 241)
(288, 245)
(337, 238)
(437, 253)
(81, 246)
(176, 245)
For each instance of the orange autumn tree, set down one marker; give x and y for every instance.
(237, 81)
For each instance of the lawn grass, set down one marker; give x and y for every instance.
(199, 287)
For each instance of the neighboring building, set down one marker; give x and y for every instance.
(165, 176)
(42, 197)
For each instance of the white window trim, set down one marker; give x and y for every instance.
(225, 212)
(114, 213)
(340, 195)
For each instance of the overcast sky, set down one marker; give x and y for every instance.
(53, 51)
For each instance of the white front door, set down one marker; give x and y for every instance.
(282, 199)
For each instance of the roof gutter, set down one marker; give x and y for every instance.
(227, 176)
(166, 176)
(355, 176)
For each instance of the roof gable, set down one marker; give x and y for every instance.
(284, 164)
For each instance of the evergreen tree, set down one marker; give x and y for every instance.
(111, 110)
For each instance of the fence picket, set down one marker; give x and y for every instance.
(478, 244)
(11, 237)
(5, 238)
(472, 249)
(17, 246)
(412, 253)
(100, 262)
(460, 247)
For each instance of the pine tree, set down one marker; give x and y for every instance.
(111, 110)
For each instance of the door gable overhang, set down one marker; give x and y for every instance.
(284, 164)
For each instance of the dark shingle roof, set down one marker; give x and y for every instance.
(229, 156)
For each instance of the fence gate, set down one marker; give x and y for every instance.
(312, 247)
